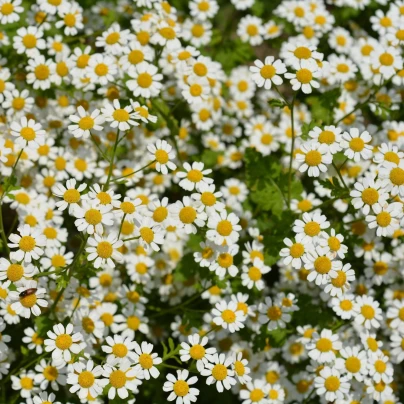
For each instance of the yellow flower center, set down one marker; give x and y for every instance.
(224, 228)
(71, 196)
(322, 265)
(42, 72)
(340, 280)
(304, 76)
(267, 72)
(104, 249)
(28, 301)
(145, 361)
(219, 372)
(86, 379)
(160, 214)
(135, 57)
(121, 115)
(370, 196)
(147, 234)
(327, 137)
(297, 250)
(101, 69)
(334, 243)
(256, 395)
(133, 322)
(197, 352)
(380, 366)
(93, 217)
(312, 229)
(15, 272)
(161, 156)
(187, 215)
(27, 243)
(397, 176)
(63, 341)
(229, 316)
(208, 198)
(324, 345)
(313, 158)
(144, 80)
(383, 219)
(28, 133)
(254, 274)
(119, 350)
(70, 20)
(112, 38)
(332, 383)
(357, 144)
(274, 313)
(181, 388)
(368, 312)
(86, 123)
(29, 41)
(26, 383)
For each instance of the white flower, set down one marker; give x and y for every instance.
(196, 350)
(228, 316)
(180, 387)
(223, 227)
(386, 218)
(368, 312)
(85, 122)
(71, 196)
(305, 76)
(256, 391)
(146, 361)
(28, 244)
(85, 381)
(264, 74)
(356, 145)
(146, 80)
(121, 377)
(29, 133)
(273, 313)
(62, 342)
(323, 346)
(30, 299)
(331, 384)
(313, 157)
(92, 217)
(104, 250)
(218, 372)
(367, 194)
(194, 176)
(121, 118)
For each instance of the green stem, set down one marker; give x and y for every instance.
(292, 116)
(120, 228)
(3, 232)
(111, 164)
(133, 172)
(340, 175)
(98, 147)
(131, 238)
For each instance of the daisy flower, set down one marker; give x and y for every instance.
(218, 372)
(380, 370)
(146, 81)
(44, 398)
(252, 276)
(85, 379)
(28, 133)
(103, 250)
(264, 74)
(331, 384)
(273, 313)
(368, 194)
(28, 40)
(71, 19)
(329, 136)
(180, 387)
(92, 217)
(10, 10)
(240, 368)
(162, 152)
(209, 198)
(356, 145)
(30, 299)
(353, 361)
(194, 176)
(151, 234)
(196, 349)
(368, 312)
(313, 157)
(305, 76)
(121, 118)
(62, 342)
(85, 122)
(340, 280)
(121, 377)
(28, 244)
(385, 219)
(323, 346)
(227, 315)
(223, 228)
(333, 243)
(395, 313)
(70, 194)
(393, 178)
(15, 272)
(143, 112)
(146, 361)
(256, 391)
(310, 226)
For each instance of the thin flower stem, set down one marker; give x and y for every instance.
(3, 232)
(292, 148)
(111, 164)
(340, 175)
(98, 147)
(131, 238)
(120, 227)
(134, 172)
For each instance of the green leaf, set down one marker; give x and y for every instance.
(268, 198)
(171, 344)
(274, 102)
